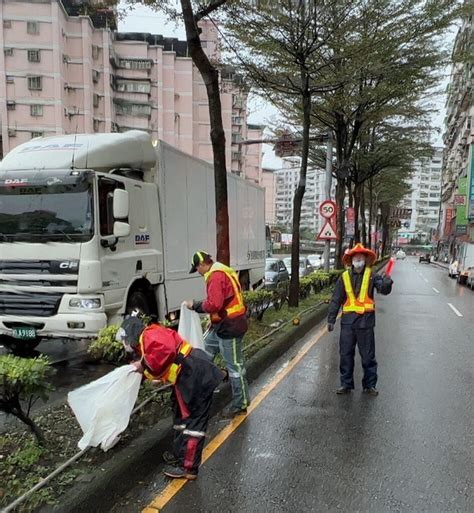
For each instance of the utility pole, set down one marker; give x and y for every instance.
(327, 244)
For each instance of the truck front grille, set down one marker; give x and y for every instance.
(34, 304)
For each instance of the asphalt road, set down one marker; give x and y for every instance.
(304, 449)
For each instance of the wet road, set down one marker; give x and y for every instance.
(304, 449)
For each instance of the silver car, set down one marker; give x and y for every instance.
(276, 273)
(304, 268)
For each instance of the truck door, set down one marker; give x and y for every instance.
(118, 261)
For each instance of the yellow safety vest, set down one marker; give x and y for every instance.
(236, 307)
(172, 372)
(363, 303)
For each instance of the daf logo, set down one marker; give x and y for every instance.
(16, 181)
(68, 265)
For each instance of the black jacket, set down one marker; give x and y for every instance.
(198, 379)
(383, 285)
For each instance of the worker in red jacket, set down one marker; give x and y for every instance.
(165, 356)
(225, 305)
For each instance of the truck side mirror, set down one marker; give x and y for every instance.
(121, 229)
(120, 204)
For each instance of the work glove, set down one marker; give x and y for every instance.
(330, 327)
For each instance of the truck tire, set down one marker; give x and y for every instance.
(244, 280)
(462, 280)
(138, 301)
(19, 347)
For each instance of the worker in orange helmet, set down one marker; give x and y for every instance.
(161, 354)
(354, 292)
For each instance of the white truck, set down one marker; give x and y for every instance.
(97, 225)
(463, 266)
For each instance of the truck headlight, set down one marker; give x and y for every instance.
(86, 303)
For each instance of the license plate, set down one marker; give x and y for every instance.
(24, 333)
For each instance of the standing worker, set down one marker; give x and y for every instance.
(226, 307)
(355, 293)
(165, 356)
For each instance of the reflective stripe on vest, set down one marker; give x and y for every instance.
(236, 307)
(363, 303)
(172, 372)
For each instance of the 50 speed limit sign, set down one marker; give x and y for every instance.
(327, 209)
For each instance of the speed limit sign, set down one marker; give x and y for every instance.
(327, 209)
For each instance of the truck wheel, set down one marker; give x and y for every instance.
(137, 301)
(462, 280)
(19, 347)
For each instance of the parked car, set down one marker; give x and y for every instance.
(276, 273)
(401, 255)
(316, 261)
(305, 266)
(425, 257)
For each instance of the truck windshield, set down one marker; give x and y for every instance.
(40, 212)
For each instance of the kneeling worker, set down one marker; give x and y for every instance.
(355, 293)
(165, 356)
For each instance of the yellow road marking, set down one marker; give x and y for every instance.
(175, 486)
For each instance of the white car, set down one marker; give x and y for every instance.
(316, 261)
(453, 269)
(400, 254)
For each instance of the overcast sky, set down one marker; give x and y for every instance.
(144, 19)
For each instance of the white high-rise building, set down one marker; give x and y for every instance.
(424, 200)
(286, 182)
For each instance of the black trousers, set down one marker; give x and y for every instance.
(364, 338)
(190, 430)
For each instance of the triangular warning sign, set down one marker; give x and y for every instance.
(327, 232)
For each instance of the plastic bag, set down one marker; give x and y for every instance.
(190, 327)
(103, 407)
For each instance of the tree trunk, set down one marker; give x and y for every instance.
(363, 219)
(371, 212)
(210, 76)
(14, 408)
(357, 200)
(384, 219)
(293, 299)
(340, 196)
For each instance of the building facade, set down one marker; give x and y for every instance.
(64, 69)
(286, 182)
(269, 184)
(424, 199)
(457, 215)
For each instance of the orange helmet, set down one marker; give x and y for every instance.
(358, 249)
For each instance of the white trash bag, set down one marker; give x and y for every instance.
(190, 327)
(103, 407)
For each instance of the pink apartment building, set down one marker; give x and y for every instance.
(63, 69)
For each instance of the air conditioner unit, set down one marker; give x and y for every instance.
(11, 132)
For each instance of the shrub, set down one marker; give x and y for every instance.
(22, 382)
(106, 348)
(305, 286)
(257, 302)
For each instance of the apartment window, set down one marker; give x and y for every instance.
(36, 110)
(34, 56)
(36, 134)
(7, 23)
(135, 63)
(95, 52)
(11, 105)
(8, 52)
(95, 76)
(96, 125)
(35, 83)
(10, 79)
(32, 27)
(11, 132)
(96, 99)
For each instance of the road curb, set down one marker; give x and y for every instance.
(143, 455)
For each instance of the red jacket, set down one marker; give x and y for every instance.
(219, 295)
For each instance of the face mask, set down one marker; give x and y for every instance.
(358, 264)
